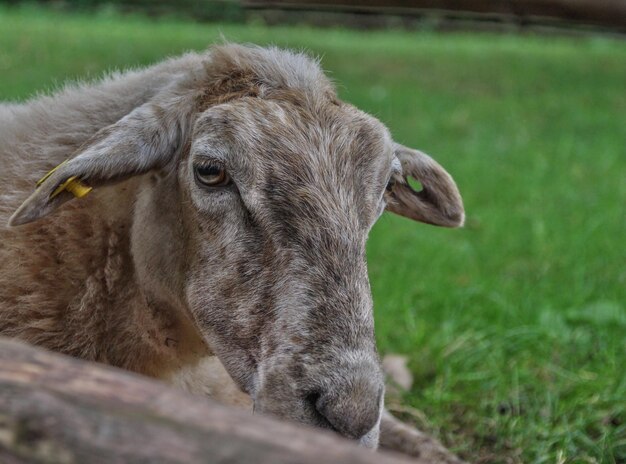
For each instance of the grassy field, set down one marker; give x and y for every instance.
(515, 325)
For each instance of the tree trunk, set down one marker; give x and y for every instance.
(57, 409)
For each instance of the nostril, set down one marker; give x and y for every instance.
(313, 402)
(312, 399)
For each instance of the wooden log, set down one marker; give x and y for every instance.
(604, 13)
(57, 409)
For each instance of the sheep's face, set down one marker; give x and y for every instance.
(250, 222)
(277, 204)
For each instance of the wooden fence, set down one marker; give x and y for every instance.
(604, 13)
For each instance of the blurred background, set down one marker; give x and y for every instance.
(515, 326)
(439, 14)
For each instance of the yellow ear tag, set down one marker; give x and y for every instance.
(72, 185)
(43, 179)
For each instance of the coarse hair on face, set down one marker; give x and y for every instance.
(252, 192)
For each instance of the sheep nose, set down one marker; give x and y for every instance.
(353, 407)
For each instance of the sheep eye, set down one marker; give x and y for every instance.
(212, 175)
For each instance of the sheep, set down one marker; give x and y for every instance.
(203, 221)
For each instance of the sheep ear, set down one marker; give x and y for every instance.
(144, 139)
(438, 203)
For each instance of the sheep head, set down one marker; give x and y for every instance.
(258, 190)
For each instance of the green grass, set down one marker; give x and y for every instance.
(515, 325)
